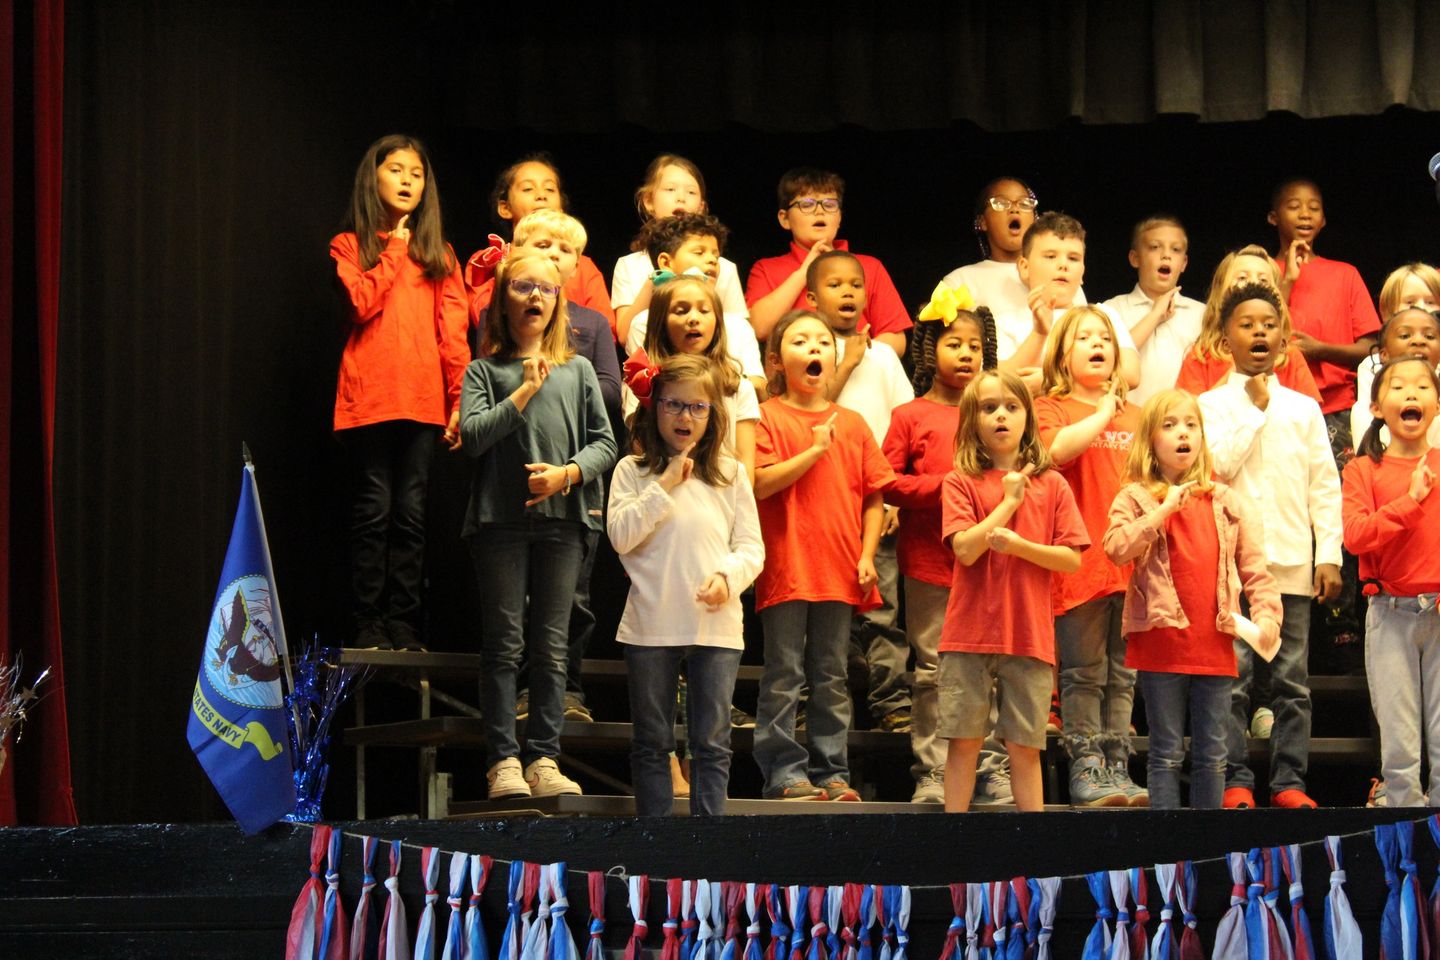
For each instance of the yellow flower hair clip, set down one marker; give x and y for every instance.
(946, 302)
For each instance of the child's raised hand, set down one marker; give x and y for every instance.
(1109, 402)
(1177, 496)
(1002, 540)
(677, 471)
(1041, 304)
(865, 574)
(535, 370)
(821, 246)
(1257, 388)
(714, 592)
(824, 434)
(1296, 256)
(402, 231)
(1015, 482)
(855, 346)
(1422, 478)
(1164, 307)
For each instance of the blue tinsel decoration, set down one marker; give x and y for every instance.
(321, 686)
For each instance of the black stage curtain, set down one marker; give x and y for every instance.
(210, 149)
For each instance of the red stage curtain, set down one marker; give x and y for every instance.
(35, 784)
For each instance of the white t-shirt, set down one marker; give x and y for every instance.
(876, 387)
(740, 341)
(1013, 327)
(633, 269)
(1360, 418)
(671, 543)
(1161, 355)
(996, 285)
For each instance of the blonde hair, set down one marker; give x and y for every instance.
(1211, 341)
(652, 180)
(1390, 290)
(971, 456)
(1059, 381)
(1142, 466)
(498, 341)
(554, 222)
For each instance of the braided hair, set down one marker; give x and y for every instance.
(927, 334)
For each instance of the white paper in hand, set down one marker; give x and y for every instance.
(1247, 630)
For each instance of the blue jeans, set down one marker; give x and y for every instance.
(582, 617)
(804, 641)
(538, 560)
(879, 638)
(654, 674)
(1289, 698)
(1167, 697)
(1402, 660)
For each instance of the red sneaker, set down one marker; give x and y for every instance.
(1238, 798)
(1292, 799)
(1054, 726)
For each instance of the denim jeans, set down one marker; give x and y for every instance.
(391, 465)
(1168, 696)
(536, 559)
(925, 606)
(804, 641)
(1402, 660)
(1289, 698)
(1097, 690)
(582, 617)
(878, 635)
(654, 674)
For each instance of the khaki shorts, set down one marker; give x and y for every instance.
(1022, 685)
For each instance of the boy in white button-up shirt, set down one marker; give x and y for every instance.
(1270, 444)
(1163, 322)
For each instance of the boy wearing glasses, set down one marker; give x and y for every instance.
(1004, 210)
(811, 202)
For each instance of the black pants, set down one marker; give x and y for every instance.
(390, 467)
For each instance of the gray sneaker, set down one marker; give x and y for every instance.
(1092, 786)
(928, 789)
(1135, 795)
(993, 789)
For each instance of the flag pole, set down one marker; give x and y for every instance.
(283, 646)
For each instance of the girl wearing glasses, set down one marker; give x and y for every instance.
(693, 325)
(1004, 210)
(682, 518)
(531, 413)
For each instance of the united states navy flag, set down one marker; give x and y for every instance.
(237, 715)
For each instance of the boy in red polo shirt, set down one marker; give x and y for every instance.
(1333, 315)
(810, 205)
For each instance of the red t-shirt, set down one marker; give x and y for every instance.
(1001, 603)
(406, 352)
(1329, 301)
(812, 528)
(921, 449)
(1396, 539)
(1094, 477)
(1194, 550)
(585, 287)
(884, 310)
(1199, 374)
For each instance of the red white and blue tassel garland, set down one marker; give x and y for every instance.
(1049, 904)
(1302, 944)
(454, 948)
(595, 882)
(1120, 890)
(1231, 940)
(305, 918)
(477, 945)
(1343, 940)
(425, 933)
(394, 937)
(335, 929)
(365, 927)
(1097, 943)
(639, 902)
(562, 941)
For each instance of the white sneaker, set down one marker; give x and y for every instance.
(505, 780)
(544, 779)
(1262, 723)
(928, 789)
(993, 788)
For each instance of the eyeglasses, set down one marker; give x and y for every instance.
(699, 410)
(1024, 204)
(526, 287)
(808, 204)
